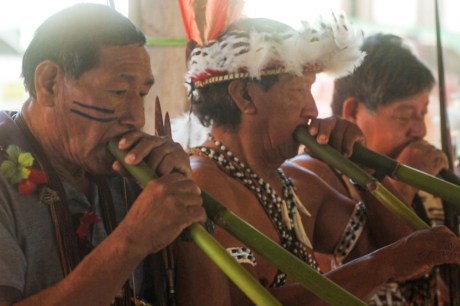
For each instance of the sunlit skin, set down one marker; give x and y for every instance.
(276, 113)
(288, 103)
(263, 140)
(291, 104)
(393, 126)
(73, 120)
(122, 87)
(398, 130)
(77, 143)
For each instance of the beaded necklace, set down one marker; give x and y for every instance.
(282, 211)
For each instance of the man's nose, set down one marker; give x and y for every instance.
(309, 110)
(418, 128)
(134, 114)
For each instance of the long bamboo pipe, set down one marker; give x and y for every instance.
(446, 186)
(298, 270)
(361, 177)
(237, 273)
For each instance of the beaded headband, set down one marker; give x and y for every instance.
(326, 46)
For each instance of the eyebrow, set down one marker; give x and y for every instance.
(408, 107)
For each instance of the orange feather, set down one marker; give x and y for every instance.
(188, 20)
(199, 6)
(220, 13)
(204, 19)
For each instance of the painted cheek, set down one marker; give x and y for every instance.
(92, 112)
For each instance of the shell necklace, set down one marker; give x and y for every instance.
(282, 211)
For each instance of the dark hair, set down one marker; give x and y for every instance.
(213, 104)
(390, 71)
(72, 37)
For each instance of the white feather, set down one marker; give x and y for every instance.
(188, 131)
(332, 46)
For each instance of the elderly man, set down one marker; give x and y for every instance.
(73, 231)
(252, 86)
(387, 97)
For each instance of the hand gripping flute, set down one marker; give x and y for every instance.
(298, 270)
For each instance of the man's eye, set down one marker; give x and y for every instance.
(119, 92)
(403, 119)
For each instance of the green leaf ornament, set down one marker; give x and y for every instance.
(16, 167)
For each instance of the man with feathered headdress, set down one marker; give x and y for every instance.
(251, 85)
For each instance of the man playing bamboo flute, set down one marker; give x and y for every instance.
(387, 97)
(252, 86)
(73, 231)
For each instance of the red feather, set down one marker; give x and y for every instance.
(218, 14)
(188, 20)
(200, 18)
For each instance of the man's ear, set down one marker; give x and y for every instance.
(47, 75)
(240, 93)
(350, 109)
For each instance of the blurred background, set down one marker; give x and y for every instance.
(160, 20)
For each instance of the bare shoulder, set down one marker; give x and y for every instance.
(307, 182)
(215, 181)
(206, 172)
(310, 163)
(297, 170)
(319, 168)
(318, 188)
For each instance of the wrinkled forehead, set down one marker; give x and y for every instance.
(134, 58)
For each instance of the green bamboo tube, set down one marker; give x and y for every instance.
(298, 270)
(295, 268)
(234, 271)
(446, 189)
(319, 285)
(400, 210)
(361, 177)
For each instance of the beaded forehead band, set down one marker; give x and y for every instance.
(327, 46)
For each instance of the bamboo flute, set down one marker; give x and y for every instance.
(361, 177)
(298, 270)
(446, 189)
(237, 273)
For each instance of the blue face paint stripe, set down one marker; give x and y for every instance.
(77, 112)
(99, 109)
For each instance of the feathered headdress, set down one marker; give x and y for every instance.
(332, 46)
